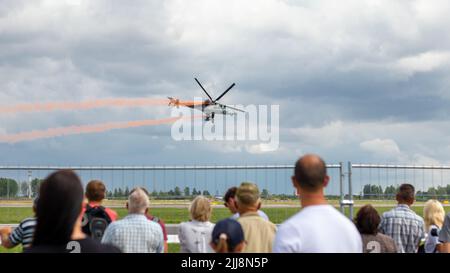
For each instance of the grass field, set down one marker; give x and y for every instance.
(11, 215)
(14, 215)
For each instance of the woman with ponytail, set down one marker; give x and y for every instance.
(228, 237)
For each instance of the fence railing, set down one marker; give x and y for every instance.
(350, 182)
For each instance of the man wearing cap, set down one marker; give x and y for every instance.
(259, 233)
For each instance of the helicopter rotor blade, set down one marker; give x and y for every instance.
(226, 91)
(203, 89)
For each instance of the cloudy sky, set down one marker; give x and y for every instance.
(365, 81)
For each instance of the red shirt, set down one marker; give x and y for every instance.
(111, 213)
(160, 222)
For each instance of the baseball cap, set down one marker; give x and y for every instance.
(233, 231)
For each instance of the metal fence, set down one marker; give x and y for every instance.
(349, 182)
(214, 179)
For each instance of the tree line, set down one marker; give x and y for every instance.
(10, 188)
(376, 192)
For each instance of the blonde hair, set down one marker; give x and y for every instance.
(222, 245)
(200, 209)
(433, 214)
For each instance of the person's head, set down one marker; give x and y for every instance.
(138, 201)
(229, 199)
(200, 209)
(433, 214)
(406, 194)
(248, 198)
(227, 237)
(58, 208)
(367, 220)
(95, 191)
(310, 175)
(35, 202)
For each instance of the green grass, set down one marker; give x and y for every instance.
(174, 248)
(17, 249)
(9, 215)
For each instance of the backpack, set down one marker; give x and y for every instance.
(95, 221)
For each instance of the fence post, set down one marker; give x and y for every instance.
(350, 190)
(341, 185)
(29, 184)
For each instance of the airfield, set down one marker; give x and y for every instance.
(173, 212)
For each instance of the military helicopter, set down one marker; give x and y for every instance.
(209, 107)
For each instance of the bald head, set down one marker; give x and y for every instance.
(310, 172)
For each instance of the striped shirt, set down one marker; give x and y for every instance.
(135, 234)
(23, 234)
(405, 227)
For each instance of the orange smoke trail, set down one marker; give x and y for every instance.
(86, 129)
(84, 105)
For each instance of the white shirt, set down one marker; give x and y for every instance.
(318, 229)
(431, 241)
(260, 212)
(195, 237)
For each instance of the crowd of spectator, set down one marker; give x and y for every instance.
(70, 219)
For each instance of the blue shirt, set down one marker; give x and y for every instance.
(405, 227)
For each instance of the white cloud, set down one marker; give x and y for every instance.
(375, 141)
(423, 62)
(384, 147)
(259, 148)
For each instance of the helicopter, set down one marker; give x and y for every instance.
(210, 107)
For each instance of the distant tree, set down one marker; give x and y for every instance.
(187, 191)
(120, 192)
(35, 184)
(372, 191)
(177, 191)
(108, 194)
(265, 193)
(162, 194)
(390, 191)
(195, 192)
(154, 193)
(116, 193)
(24, 188)
(171, 193)
(432, 192)
(126, 192)
(441, 191)
(206, 193)
(8, 187)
